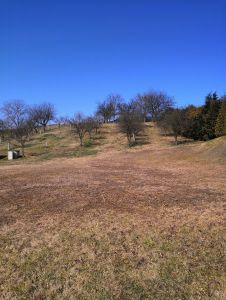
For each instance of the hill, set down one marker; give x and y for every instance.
(59, 142)
(145, 222)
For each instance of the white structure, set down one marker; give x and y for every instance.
(12, 154)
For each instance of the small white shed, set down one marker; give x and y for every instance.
(13, 154)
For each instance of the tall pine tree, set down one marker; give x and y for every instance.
(209, 115)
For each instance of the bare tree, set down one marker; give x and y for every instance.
(141, 103)
(3, 130)
(163, 121)
(97, 123)
(22, 134)
(130, 122)
(61, 121)
(108, 109)
(42, 114)
(90, 125)
(158, 102)
(78, 124)
(18, 122)
(173, 121)
(14, 112)
(152, 104)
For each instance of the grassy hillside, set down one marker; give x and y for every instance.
(145, 222)
(215, 148)
(61, 142)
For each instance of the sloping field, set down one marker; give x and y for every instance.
(141, 223)
(215, 148)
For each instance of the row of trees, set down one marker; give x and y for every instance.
(131, 116)
(81, 125)
(20, 121)
(198, 123)
(149, 105)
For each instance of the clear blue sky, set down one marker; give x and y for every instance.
(74, 53)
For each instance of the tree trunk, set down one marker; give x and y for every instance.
(81, 141)
(22, 150)
(129, 138)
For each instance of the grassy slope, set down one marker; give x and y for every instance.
(57, 143)
(61, 142)
(104, 236)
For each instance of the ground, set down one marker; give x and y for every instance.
(140, 223)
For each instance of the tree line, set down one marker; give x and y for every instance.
(20, 121)
(198, 123)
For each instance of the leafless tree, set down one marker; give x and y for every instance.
(173, 121)
(163, 121)
(22, 134)
(130, 122)
(90, 125)
(97, 123)
(141, 103)
(108, 109)
(78, 125)
(42, 114)
(18, 122)
(158, 102)
(14, 112)
(152, 104)
(3, 130)
(61, 121)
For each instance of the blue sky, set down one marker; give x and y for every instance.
(74, 53)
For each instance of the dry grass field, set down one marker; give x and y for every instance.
(123, 223)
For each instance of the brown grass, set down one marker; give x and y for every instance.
(140, 223)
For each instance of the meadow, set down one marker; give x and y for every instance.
(108, 221)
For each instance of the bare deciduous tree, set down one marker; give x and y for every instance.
(152, 104)
(90, 125)
(173, 121)
(3, 130)
(78, 124)
(141, 103)
(18, 122)
(42, 114)
(158, 103)
(130, 122)
(61, 121)
(108, 109)
(97, 123)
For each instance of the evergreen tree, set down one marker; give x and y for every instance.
(209, 114)
(220, 128)
(193, 122)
